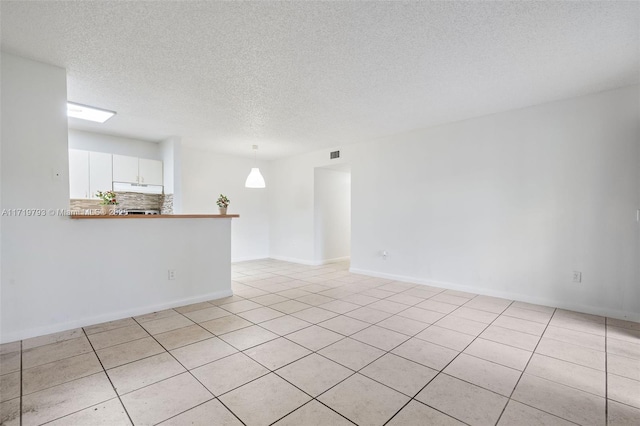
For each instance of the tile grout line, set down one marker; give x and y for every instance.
(270, 371)
(242, 351)
(370, 324)
(387, 352)
(334, 298)
(164, 379)
(539, 338)
(187, 370)
(383, 384)
(533, 352)
(341, 381)
(309, 402)
(574, 330)
(313, 398)
(525, 367)
(574, 344)
(111, 329)
(129, 362)
(316, 352)
(61, 383)
(81, 409)
(441, 371)
(55, 343)
(194, 407)
(558, 383)
(516, 347)
(108, 378)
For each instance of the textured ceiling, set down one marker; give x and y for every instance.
(301, 76)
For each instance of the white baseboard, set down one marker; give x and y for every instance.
(311, 262)
(294, 260)
(248, 258)
(594, 310)
(335, 260)
(98, 319)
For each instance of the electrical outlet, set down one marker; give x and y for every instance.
(172, 274)
(577, 276)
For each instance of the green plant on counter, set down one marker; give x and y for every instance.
(108, 197)
(223, 201)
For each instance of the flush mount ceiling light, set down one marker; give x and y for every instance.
(85, 112)
(255, 179)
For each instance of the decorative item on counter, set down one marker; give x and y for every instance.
(108, 203)
(223, 203)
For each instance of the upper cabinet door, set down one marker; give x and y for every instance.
(125, 169)
(150, 172)
(78, 174)
(100, 173)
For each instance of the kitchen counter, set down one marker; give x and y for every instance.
(120, 266)
(156, 216)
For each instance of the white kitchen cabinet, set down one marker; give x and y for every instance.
(150, 171)
(89, 172)
(125, 169)
(78, 173)
(100, 173)
(137, 170)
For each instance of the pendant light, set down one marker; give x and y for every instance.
(255, 179)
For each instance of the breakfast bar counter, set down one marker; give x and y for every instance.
(128, 265)
(156, 216)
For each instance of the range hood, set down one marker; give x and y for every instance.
(137, 187)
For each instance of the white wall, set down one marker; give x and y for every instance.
(507, 205)
(332, 214)
(510, 205)
(98, 142)
(171, 154)
(33, 100)
(166, 152)
(206, 175)
(58, 273)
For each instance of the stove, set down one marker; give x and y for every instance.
(135, 211)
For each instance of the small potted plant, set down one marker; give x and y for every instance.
(223, 203)
(108, 201)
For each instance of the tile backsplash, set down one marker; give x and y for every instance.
(131, 200)
(167, 204)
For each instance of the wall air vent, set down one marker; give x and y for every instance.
(334, 154)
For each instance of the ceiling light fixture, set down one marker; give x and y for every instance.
(255, 179)
(85, 112)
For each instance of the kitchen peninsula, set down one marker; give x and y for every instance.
(123, 266)
(156, 216)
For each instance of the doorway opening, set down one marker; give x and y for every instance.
(332, 214)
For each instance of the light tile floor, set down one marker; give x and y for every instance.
(301, 345)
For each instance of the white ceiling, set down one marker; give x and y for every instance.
(296, 77)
